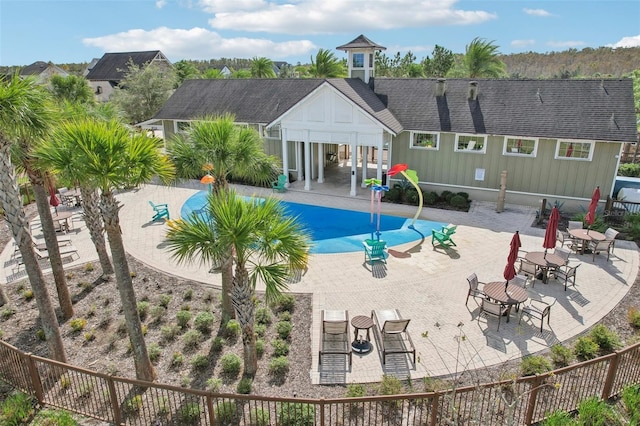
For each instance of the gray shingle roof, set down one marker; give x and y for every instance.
(582, 109)
(35, 68)
(113, 66)
(361, 42)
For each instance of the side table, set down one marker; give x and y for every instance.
(361, 323)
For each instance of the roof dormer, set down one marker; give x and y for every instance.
(362, 57)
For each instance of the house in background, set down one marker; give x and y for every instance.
(556, 139)
(107, 73)
(42, 71)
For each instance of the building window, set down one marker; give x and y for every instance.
(574, 150)
(470, 143)
(522, 147)
(422, 140)
(98, 90)
(273, 132)
(358, 60)
(371, 62)
(183, 126)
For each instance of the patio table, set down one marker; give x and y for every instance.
(512, 295)
(545, 261)
(586, 235)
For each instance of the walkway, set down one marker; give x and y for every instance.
(428, 286)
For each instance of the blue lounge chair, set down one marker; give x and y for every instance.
(160, 211)
(279, 185)
(443, 237)
(375, 250)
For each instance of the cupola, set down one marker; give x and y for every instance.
(362, 57)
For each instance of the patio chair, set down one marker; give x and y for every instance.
(611, 234)
(494, 309)
(539, 310)
(475, 288)
(391, 333)
(563, 253)
(528, 269)
(375, 250)
(443, 237)
(575, 243)
(600, 246)
(335, 335)
(279, 185)
(160, 211)
(563, 238)
(567, 274)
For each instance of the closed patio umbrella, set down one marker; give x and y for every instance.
(552, 228)
(591, 214)
(53, 198)
(510, 269)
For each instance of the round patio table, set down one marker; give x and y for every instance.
(63, 215)
(586, 235)
(361, 345)
(512, 295)
(545, 261)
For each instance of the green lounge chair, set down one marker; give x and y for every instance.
(443, 237)
(279, 185)
(160, 211)
(375, 250)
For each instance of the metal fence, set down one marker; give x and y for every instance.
(132, 402)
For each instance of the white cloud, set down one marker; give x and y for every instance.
(631, 41)
(522, 43)
(537, 12)
(161, 3)
(569, 44)
(199, 43)
(337, 16)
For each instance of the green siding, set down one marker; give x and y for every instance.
(540, 175)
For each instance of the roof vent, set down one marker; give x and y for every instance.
(613, 121)
(441, 86)
(539, 95)
(473, 91)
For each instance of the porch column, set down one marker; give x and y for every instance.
(365, 161)
(379, 162)
(354, 163)
(285, 157)
(312, 154)
(320, 163)
(299, 163)
(307, 162)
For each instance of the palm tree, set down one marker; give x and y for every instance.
(109, 157)
(24, 111)
(326, 65)
(230, 150)
(262, 68)
(266, 244)
(481, 59)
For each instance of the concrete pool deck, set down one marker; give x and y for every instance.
(428, 286)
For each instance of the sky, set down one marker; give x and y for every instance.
(75, 31)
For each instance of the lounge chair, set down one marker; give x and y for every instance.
(391, 333)
(335, 335)
(375, 250)
(443, 237)
(279, 185)
(44, 254)
(160, 211)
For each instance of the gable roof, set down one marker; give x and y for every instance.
(361, 42)
(579, 109)
(39, 67)
(114, 66)
(263, 100)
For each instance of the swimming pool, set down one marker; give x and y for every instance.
(337, 230)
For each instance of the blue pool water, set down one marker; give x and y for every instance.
(337, 230)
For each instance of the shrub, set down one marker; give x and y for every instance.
(203, 322)
(279, 366)
(214, 384)
(559, 418)
(634, 317)
(585, 348)
(78, 324)
(133, 404)
(263, 315)
(458, 201)
(411, 195)
(177, 359)
(393, 195)
(631, 399)
(284, 329)
(7, 312)
(259, 330)
(244, 385)
(464, 195)
(226, 412)
(593, 411)
(154, 352)
(390, 385)
(561, 355)
(40, 335)
(259, 417)
(16, 409)
(183, 317)
(430, 198)
(296, 414)
(190, 412)
(355, 390)
(143, 309)
(89, 336)
(157, 312)
(54, 418)
(232, 329)
(169, 332)
(446, 196)
(280, 347)
(199, 362)
(231, 364)
(192, 339)
(606, 339)
(27, 294)
(285, 316)
(629, 170)
(165, 299)
(188, 295)
(217, 344)
(285, 302)
(259, 347)
(534, 364)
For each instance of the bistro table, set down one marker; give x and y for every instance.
(513, 294)
(586, 235)
(361, 345)
(545, 261)
(76, 194)
(63, 215)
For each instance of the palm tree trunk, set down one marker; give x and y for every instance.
(51, 241)
(226, 272)
(110, 208)
(11, 202)
(93, 219)
(242, 297)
